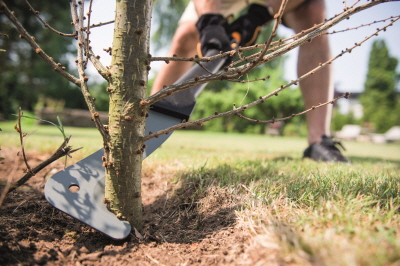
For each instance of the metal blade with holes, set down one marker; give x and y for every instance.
(88, 176)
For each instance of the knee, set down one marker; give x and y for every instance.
(306, 15)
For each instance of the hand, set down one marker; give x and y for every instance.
(249, 25)
(213, 33)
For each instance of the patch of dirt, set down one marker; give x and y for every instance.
(179, 227)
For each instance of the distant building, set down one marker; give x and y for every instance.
(353, 104)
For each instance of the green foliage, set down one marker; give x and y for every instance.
(287, 102)
(98, 91)
(380, 99)
(339, 120)
(296, 128)
(24, 76)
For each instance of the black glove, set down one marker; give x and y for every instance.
(213, 33)
(249, 25)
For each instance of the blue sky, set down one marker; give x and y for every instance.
(349, 70)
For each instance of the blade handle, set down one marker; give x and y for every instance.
(181, 104)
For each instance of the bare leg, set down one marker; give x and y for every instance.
(183, 45)
(317, 88)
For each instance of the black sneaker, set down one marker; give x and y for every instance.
(325, 151)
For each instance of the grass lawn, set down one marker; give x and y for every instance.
(313, 213)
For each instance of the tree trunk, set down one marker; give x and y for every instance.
(127, 87)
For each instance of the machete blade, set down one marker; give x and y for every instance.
(88, 175)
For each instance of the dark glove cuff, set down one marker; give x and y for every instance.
(210, 19)
(259, 14)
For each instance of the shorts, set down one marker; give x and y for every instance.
(228, 7)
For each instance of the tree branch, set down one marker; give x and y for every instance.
(63, 150)
(87, 30)
(278, 21)
(194, 59)
(274, 93)
(18, 127)
(233, 73)
(78, 23)
(273, 120)
(363, 25)
(47, 24)
(101, 69)
(102, 24)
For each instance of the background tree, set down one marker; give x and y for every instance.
(380, 100)
(288, 102)
(25, 77)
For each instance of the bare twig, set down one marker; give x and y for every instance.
(236, 111)
(87, 30)
(247, 81)
(101, 69)
(269, 41)
(63, 150)
(205, 69)
(84, 40)
(280, 43)
(101, 24)
(78, 23)
(273, 120)
(363, 25)
(344, 5)
(47, 24)
(18, 127)
(194, 59)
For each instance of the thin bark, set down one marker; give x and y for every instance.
(127, 87)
